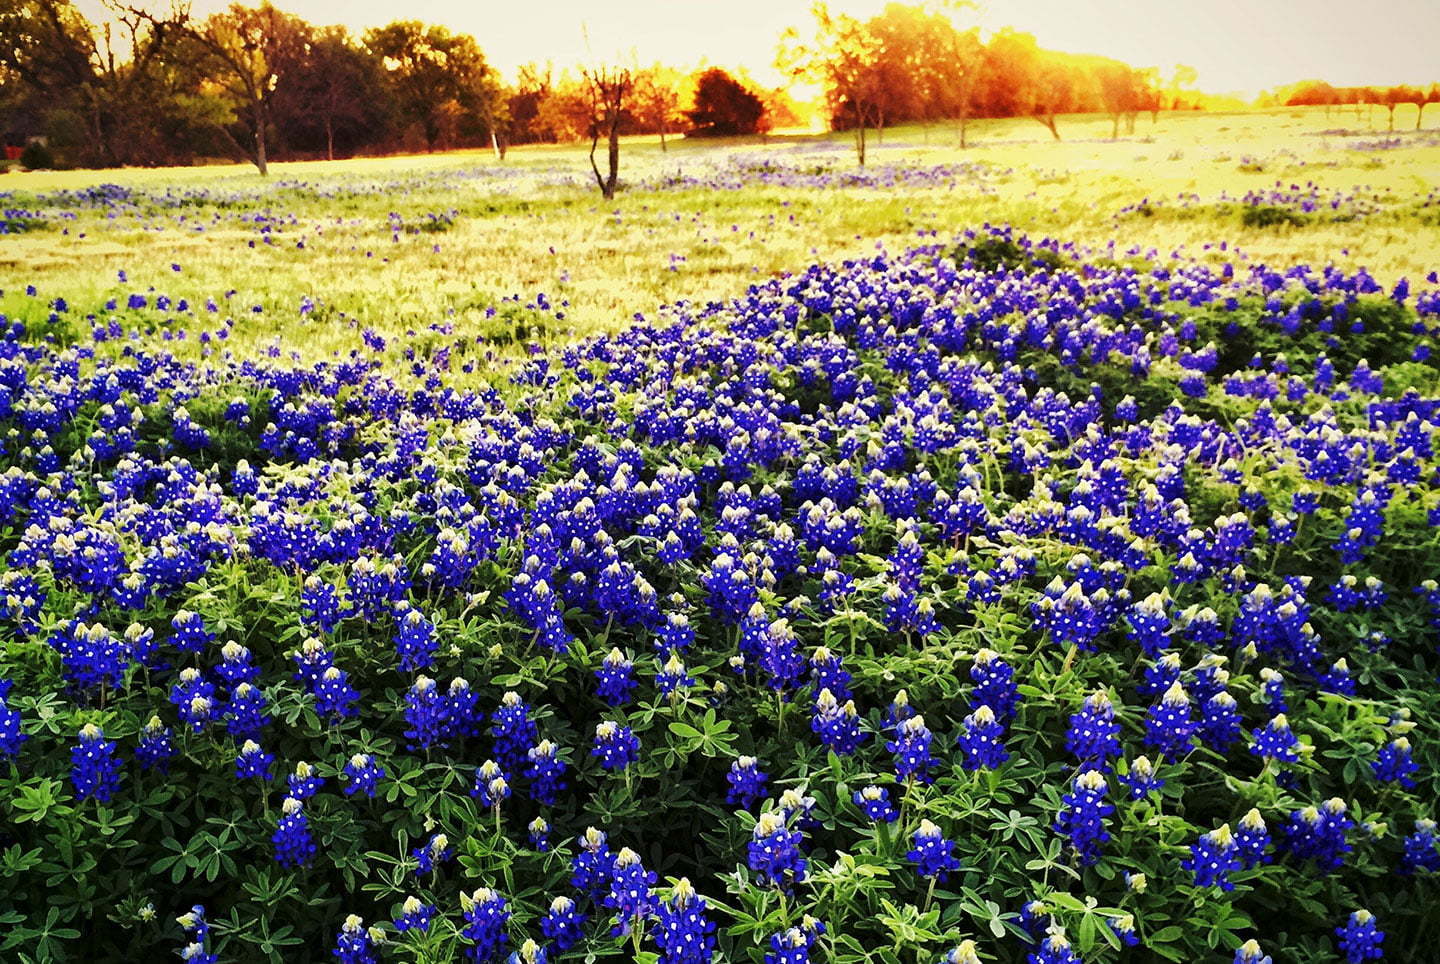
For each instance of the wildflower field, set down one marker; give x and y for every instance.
(1018, 554)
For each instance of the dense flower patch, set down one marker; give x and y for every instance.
(994, 601)
(1292, 204)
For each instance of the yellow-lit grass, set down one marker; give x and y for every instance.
(526, 234)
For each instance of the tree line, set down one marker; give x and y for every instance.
(1317, 93)
(149, 85)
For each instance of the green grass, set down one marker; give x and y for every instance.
(536, 224)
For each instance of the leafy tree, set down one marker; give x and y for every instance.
(656, 101)
(724, 107)
(435, 74)
(844, 57)
(110, 74)
(249, 54)
(339, 96)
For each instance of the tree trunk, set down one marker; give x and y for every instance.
(329, 138)
(614, 158)
(1391, 109)
(964, 123)
(495, 145)
(261, 161)
(1419, 113)
(1114, 127)
(663, 148)
(860, 142)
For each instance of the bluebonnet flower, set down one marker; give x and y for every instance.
(355, 944)
(430, 855)
(415, 640)
(963, 953)
(1337, 679)
(10, 735)
(1035, 918)
(1250, 953)
(1160, 675)
(629, 895)
(293, 844)
(1082, 818)
(304, 783)
(995, 685)
(253, 762)
(1053, 949)
(193, 698)
(592, 868)
(1421, 853)
(1123, 927)
(1395, 764)
(911, 747)
(827, 673)
(197, 933)
(1272, 688)
(190, 634)
(512, 731)
(1167, 726)
(792, 946)
(672, 676)
(1252, 839)
(334, 696)
(1360, 939)
(414, 915)
(931, 853)
(1212, 858)
(546, 773)
(94, 765)
(528, 952)
(746, 782)
(245, 713)
(981, 740)
(486, 916)
(1319, 834)
(563, 923)
(491, 785)
(682, 932)
(539, 835)
(154, 751)
(616, 746)
(363, 775)
(427, 713)
(616, 678)
(838, 726)
(774, 852)
(1219, 722)
(236, 666)
(875, 803)
(320, 605)
(1094, 735)
(1275, 741)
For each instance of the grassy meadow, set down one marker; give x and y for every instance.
(395, 243)
(953, 595)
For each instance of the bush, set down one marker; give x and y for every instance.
(37, 157)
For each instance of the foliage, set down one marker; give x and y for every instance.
(886, 523)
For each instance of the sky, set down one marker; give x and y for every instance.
(1236, 45)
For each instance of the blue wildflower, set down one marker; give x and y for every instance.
(94, 765)
(1360, 939)
(931, 853)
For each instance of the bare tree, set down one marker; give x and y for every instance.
(608, 88)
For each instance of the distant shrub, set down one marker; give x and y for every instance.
(1268, 216)
(37, 157)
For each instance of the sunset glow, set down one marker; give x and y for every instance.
(1236, 45)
